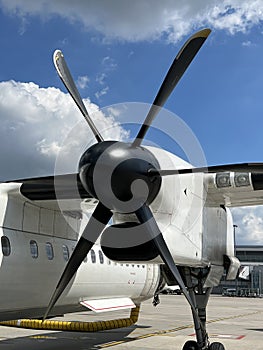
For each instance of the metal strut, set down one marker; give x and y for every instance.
(199, 296)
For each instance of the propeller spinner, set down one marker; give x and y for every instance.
(124, 177)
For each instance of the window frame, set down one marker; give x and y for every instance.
(49, 256)
(65, 252)
(33, 249)
(93, 256)
(101, 257)
(4, 240)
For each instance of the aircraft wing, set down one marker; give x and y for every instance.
(66, 186)
(229, 188)
(234, 188)
(51, 205)
(47, 191)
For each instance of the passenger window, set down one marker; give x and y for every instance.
(6, 247)
(34, 249)
(101, 257)
(93, 256)
(49, 251)
(65, 252)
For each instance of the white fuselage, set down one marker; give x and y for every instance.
(26, 282)
(31, 266)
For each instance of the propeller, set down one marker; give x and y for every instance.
(124, 177)
(176, 71)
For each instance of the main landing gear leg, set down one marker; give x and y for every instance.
(199, 295)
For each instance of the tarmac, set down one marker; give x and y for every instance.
(235, 322)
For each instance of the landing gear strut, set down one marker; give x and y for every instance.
(199, 294)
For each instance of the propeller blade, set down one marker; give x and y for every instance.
(242, 167)
(99, 219)
(176, 71)
(65, 76)
(146, 218)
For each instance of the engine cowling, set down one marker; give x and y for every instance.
(128, 242)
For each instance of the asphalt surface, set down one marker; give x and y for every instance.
(235, 322)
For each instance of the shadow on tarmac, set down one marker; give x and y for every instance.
(256, 329)
(68, 340)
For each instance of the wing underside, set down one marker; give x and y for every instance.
(234, 189)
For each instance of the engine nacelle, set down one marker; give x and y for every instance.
(128, 242)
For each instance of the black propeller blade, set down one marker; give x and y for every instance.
(177, 69)
(146, 218)
(65, 76)
(99, 219)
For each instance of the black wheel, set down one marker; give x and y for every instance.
(216, 346)
(190, 345)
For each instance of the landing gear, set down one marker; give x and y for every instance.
(216, 346)
(192, 345)
(195, 280)
(156, 300)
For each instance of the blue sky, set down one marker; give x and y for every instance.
(120, 52)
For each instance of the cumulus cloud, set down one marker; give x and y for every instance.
(250, 224)
(39, 123)
(145, 20)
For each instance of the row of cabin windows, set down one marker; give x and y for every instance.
(34, 250)
(6, 249)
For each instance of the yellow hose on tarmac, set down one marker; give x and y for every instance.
(75, 325)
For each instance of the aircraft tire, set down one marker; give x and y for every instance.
(190, 345)
(216, 346)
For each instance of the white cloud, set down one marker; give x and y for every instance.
(102, 92)
(109, 63)
(250, 224)
(248, 43)
(34, 124)
(101, 78)
(82, 81)
(49, 149)
(145, 20)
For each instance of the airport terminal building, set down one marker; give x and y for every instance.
(250, 278)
